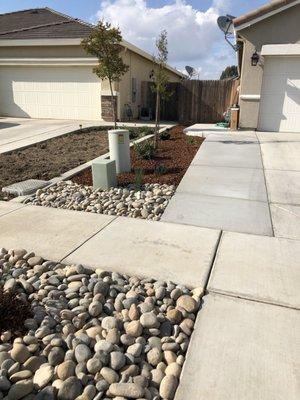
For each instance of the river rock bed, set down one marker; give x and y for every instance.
(147, 203)
(93, 334)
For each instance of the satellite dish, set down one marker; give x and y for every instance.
(225, 24)
(190, 70)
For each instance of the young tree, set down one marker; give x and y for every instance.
(160, 77)
(104, 42)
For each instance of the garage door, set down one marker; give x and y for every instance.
(50, 92)
(280, 97)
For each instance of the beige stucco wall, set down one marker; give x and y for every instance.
(139, 68)
(281, 28)
(42, 51)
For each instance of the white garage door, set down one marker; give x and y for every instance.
(280, 97)
(50, 92)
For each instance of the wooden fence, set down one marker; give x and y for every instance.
(204, 101)
(169, 107)
(194, 101)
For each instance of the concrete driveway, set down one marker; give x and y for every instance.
(17, 133)
(281, 159)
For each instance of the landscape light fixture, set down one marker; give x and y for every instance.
(254, 59)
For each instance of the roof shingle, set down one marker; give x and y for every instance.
(41, 23)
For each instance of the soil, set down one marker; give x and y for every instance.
(14, 311)
(174, 154)
(52, 158)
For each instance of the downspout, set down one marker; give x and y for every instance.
(239, 42)
(240, 49)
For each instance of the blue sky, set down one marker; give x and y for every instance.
(194, 38)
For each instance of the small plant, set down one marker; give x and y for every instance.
(165, 135)
(160, 170)
(145, 130)
(138, 179)
(145, 150)
(190, 140)
(133, 133)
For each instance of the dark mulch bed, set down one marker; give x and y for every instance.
(174, 154)
(13, 312)
(53, 157)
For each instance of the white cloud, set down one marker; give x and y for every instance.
(192, 34)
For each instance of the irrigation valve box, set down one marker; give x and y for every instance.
(119, 149)
(104, 173)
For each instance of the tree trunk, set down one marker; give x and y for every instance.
(114, 106)
(157, 119)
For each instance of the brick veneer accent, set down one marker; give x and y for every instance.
(106, 106)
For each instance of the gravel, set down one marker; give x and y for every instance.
(147, 203)
(93, 334)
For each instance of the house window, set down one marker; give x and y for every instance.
(133, 90)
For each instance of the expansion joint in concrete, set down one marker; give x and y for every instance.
(246, 298)
(89, 238)
(212, 261)
(265, 180)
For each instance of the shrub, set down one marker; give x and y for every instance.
(190, 140)
(13, 312)
(145, 150)
(145, 130)
(133, 133)
(165, 135)
(160, 169)
(138, 179)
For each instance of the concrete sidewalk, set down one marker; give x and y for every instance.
(242, 182)
(204, 130)
(224, 188)
(257, 268)
(246, 339)
(137, 247)
(241, 348)
(7, 207)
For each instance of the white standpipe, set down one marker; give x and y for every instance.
(119, 149)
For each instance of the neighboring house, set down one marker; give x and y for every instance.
(45, 73)
(270, 91)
